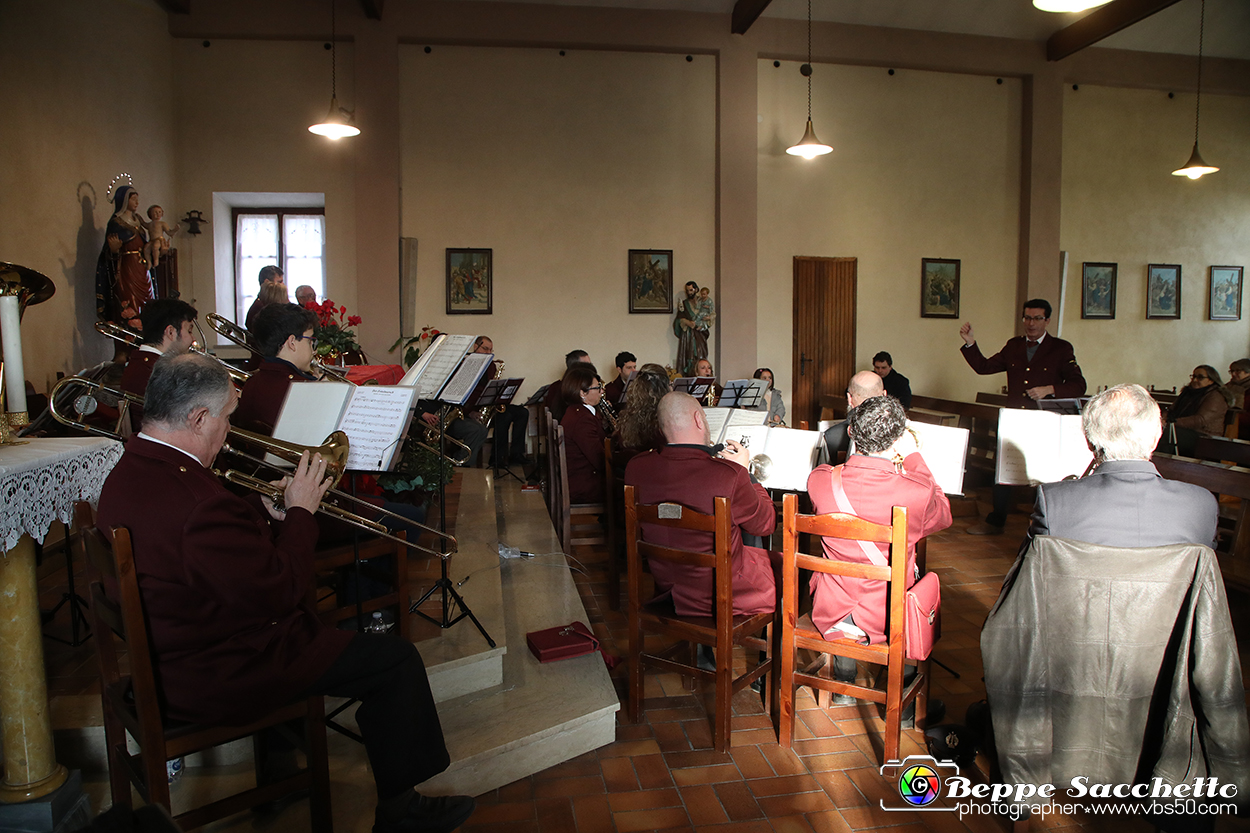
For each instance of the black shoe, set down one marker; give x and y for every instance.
(430, 814)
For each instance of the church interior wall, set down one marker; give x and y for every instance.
(560, 165)
(924, 164)
(1121, 205)
(89, 93)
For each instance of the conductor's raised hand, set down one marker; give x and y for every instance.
(965, 332)
(309, 483)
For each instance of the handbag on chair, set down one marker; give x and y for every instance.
(923, 606)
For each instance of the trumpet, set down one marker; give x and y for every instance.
(240, 336)
(131, 338)
(334, 451)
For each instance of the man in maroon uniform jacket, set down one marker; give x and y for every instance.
(226, 596)
(689, 472)
(168, 326)
(1038, 366)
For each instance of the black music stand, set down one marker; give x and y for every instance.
(444, 583)
(77, 604)
(696, 386)
(498, 394)
(741, 393)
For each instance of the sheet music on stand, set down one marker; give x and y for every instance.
(464, 381)
(721, 421)
(374, 417)
(433, 370)
(696, 386)
(944, 448)
(742, 393)
(793, 452)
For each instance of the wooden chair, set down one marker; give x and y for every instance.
(799, 633)
(723, 630)
(578, 524)
(131, 702)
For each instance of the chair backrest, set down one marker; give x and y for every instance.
(560, 512)
(679, 516)
(609, 486)
(850, 528)
(116, 605)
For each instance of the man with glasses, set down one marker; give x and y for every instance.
(1038, 366)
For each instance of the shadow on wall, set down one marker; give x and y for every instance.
(89, 348)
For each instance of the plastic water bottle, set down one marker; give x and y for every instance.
(173, 769)
(378, 625)
(509, 552)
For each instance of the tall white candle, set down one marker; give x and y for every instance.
(11, 341)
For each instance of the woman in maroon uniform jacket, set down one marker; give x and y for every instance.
(581, 391)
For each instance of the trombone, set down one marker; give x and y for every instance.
(240, 336)
(130, 338)
(334, 451)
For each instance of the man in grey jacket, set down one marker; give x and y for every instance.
(1124, 502)
(1105, 657)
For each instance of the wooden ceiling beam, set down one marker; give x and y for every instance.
(373, 9)
(745, 13)
(1099, 24)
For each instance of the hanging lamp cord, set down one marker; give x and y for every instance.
(809, 61)
(334, 48)
(1202, 19)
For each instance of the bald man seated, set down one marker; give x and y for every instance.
(688, 471)
(863, 385)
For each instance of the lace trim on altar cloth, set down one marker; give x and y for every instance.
(30, 500)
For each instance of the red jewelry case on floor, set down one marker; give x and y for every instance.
(562, 642)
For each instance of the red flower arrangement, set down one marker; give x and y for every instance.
(334, 336)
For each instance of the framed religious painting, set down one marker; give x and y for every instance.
(651, 280)
(1224, 297)
(470, 282)
(1098, 290)
(939, 288)
(1163, 290)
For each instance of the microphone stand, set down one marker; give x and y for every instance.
(444, 583)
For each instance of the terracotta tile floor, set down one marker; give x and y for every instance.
(661, 774)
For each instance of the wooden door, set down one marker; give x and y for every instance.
(824, 332)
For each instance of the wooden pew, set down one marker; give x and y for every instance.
(1222, 479)
(1000, 399)
(1236, 452)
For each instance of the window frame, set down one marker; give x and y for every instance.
(280, 212)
